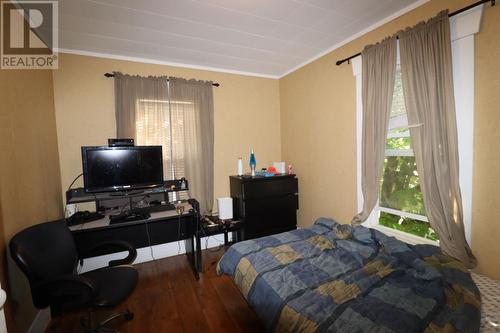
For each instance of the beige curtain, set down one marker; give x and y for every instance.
(142, 113)
(178, 115)
(379, 70)
(129, 90)
(426, 68)
(192, 120)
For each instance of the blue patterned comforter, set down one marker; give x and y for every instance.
(335, 278)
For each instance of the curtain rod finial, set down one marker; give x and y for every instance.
(109, 75)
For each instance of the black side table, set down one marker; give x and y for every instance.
(235, 227)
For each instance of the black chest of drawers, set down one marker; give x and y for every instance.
(267, 205)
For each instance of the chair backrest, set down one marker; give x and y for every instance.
(43, 252)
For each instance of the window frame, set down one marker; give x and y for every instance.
(463, 28)
(398, 123)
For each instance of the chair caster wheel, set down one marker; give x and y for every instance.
(129, 315)
(83, 322)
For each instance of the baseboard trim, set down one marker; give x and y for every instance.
(154, 252)
(41, 321)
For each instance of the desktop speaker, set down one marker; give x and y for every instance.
(225, 208)
(120, 142)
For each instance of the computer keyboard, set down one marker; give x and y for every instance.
(128, 216)
(157, 208)
(142, 213)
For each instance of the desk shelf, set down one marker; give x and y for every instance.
(78, 195)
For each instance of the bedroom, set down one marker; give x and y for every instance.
(299, 107)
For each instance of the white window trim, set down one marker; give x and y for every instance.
(399, 152)
(404, 214)
(398, 135)
(463, 28)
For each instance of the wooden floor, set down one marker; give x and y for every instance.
(168, 298)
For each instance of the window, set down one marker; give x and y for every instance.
(401, 202)
(463, 29)
(160, 122)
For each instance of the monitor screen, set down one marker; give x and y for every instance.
(121, 168)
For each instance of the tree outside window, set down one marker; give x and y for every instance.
(401, 202)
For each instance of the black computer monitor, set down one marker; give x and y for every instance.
(121, 168)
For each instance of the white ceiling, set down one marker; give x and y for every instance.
(259, 37)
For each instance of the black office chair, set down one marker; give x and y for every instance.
(47, 255)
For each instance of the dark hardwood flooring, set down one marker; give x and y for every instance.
(168, 298)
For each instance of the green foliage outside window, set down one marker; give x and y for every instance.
(414, 227)
(400, 187)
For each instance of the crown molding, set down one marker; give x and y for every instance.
(165, 63)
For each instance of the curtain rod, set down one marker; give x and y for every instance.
(340, 62)
(113, 75)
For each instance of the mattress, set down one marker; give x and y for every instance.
(336, 278)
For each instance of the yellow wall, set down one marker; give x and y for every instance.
(29, 174)
(247, 113)
(486, 187)
(319, 136)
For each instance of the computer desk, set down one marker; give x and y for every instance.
(161, 227)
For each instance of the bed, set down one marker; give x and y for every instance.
(336, 278)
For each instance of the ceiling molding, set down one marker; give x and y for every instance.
(357, 35)
(165, 63)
